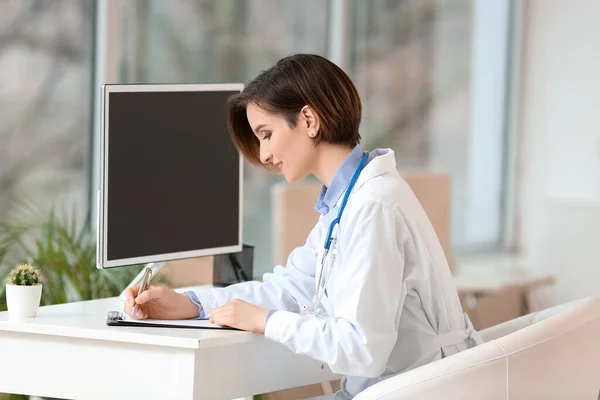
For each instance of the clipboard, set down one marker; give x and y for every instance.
(117, 318)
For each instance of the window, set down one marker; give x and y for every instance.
(432, 76)
(45, 88)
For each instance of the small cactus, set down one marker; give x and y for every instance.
(24, 275)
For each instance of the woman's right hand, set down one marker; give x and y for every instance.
(158, 302)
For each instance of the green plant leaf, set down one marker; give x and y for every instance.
(64, 249)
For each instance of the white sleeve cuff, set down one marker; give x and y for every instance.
(280, 327)
(207, 299)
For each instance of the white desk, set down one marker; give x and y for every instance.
(68, 351)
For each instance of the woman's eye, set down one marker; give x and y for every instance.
(266, 136)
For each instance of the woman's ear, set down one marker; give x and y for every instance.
(310, 120)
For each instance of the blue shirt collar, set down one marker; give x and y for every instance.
(340, 181)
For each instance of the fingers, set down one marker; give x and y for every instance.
(242, 315)
(226, 315)
(217, 315)
(133, 300)
(220, 319)
(127, 308)
(153, 292)
(141, 312)
(131, 293)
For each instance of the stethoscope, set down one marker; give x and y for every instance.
(330, 245)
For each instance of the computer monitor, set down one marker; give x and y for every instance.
(171, 178)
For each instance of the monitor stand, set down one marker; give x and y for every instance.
(154, 268)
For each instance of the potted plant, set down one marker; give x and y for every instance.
(23, 291)
(64, 248)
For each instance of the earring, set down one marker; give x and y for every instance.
(312, 134)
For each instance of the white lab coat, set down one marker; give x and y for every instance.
(391, 303)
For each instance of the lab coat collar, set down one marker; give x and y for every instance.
(381, 161)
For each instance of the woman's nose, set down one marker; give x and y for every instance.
(265, 156)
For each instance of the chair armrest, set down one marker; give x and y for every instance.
(471, 374)
(508, 327)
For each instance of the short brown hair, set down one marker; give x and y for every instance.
(288, 86)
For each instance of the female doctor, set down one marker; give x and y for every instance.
(370, 293)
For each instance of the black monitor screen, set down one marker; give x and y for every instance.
(173, 174)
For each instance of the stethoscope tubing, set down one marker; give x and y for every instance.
(329, 240)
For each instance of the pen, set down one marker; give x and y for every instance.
(143, 285)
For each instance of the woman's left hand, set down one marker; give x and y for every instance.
(241, 315)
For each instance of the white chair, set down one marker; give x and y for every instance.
(550, 354)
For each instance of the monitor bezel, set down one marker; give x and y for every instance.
(102, 203)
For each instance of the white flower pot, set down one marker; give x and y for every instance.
(23, 301)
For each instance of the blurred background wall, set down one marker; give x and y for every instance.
(559, 146)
